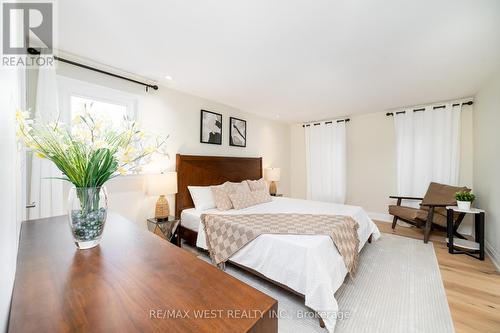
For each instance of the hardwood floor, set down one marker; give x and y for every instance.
(472, 286)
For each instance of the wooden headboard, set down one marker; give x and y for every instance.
(211, 170)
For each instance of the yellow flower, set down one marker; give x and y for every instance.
(122, 171)
(149, 150)
(40, 155)
(21, 116)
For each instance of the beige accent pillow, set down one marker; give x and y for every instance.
(261, 196)
(257, 185)
(221, 199)
(242, 200)
(221, 193)
(238, 187)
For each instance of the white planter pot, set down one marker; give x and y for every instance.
(463, 205)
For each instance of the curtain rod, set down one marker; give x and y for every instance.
(147, 85)
(434, 108)
(327, 122)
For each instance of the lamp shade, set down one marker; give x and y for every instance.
(162, 184)
(273, 174)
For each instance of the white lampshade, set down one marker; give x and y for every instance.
(161, 184)
(273, 174)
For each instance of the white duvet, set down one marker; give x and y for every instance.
(310, 265)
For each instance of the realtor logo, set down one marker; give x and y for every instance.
(34, 21)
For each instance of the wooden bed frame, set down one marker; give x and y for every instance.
(193, 170)
(214, 170)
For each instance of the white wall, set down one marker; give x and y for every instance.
(487, 161)
(171, 112)
(371, 160)
(10, 189)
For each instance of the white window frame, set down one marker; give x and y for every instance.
(69, 87)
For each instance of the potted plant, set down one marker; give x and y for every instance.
(89, 152)
(464, 199)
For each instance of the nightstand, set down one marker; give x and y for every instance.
(458, 245)
(166, 228)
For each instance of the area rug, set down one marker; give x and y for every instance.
(397, 288)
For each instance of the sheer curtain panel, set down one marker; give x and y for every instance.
(45, 192)
(427, 148)
(326, 161)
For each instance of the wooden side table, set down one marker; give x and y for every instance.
(166, 228)
(474, 248)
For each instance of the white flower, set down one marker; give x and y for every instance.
(140, 134)
(101, 144)
(122, 171)
(81, 134)
(77, 119)
(98, 124)
(125, 156)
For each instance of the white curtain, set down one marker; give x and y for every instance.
(46, 193)
(427, 148)
(326, 162)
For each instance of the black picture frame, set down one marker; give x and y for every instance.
(237, 132)
(207, 133)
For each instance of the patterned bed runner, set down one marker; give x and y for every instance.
(227, 234)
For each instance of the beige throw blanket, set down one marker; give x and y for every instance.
(227, 234)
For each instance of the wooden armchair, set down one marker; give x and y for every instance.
(432, 211)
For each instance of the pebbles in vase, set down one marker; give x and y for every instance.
(88, 226)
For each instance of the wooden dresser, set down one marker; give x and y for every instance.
(134, 281)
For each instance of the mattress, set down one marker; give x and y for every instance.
(191, 217)
(309, 264)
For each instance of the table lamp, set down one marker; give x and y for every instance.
(162, 184)
(273, 175)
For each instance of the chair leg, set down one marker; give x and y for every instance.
(428, 224)
(394, 222)
(321, 323)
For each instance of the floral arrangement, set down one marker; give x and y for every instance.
(90, 151)
(465, 196)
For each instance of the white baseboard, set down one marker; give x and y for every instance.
(493, 254)
(383, 217)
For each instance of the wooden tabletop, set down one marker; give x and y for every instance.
(134, 281)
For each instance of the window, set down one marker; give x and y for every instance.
(113, 104)
(112, 111)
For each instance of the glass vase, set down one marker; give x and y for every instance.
(88, 207)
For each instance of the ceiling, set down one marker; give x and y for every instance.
(296, 60)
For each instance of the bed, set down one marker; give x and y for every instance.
(309, 265)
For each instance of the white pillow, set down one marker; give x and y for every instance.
(202, 197)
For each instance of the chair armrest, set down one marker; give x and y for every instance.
(435, 205)
(405, 198)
